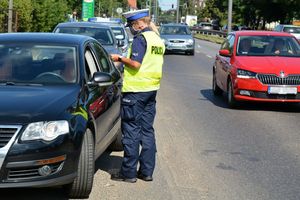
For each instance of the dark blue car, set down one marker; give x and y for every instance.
(59, 110)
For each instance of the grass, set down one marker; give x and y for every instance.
(212, 38)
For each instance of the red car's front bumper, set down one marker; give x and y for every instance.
(256, 91)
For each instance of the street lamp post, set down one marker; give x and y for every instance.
(10, 13)
(177, 12)
(229, 16)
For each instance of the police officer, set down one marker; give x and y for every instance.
(142, 74)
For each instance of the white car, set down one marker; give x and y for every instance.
(294, 30)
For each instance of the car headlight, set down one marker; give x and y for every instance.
(190, 41)
(45, 130)
(245, 74)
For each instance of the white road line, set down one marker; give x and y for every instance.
(209, 56)
(197, 51)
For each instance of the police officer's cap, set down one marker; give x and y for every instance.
(136, 14)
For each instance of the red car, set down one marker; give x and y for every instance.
(258, 66)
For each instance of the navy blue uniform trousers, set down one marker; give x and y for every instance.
(137, 113)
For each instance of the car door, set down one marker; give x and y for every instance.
(98, 100)
(223, 63)
(112, 92)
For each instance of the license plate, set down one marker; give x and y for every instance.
(282, 90)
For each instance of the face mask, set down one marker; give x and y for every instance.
(133, 31)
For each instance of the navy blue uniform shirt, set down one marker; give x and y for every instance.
(139, 46)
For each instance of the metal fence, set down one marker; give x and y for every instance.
(208, 32)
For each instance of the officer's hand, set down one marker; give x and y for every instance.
(114, 57)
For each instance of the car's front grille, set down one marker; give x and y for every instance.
(177, 41)
(31, 172)
(271, 79)
(6, 133)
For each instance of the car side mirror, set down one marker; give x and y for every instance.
(225, 53)
(121, 43)
(101, 79)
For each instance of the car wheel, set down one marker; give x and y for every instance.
(216, 90)
(230, 96)
(117, 145)
(81, 187)
(193, 52)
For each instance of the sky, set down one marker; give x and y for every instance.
(167, 4)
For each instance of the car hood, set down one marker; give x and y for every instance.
(111, 49)
(25, 104)
(270, 65)
(176, 37)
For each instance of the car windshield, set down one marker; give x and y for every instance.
(37, 64)
(268, 46)
(292, 29)
(118, 31)
(103, 35)
(175, 30)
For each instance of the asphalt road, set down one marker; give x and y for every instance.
(206, 151)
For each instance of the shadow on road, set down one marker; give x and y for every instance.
(221, 101)
(33, 194)
(108, 163)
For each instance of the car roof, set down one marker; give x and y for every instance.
(83, 24)
(44, 38)
(173, 24)
(260, 33)
(289, 25)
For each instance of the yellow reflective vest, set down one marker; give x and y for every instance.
(147, 77)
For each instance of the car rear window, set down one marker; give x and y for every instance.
(175, 30)
(118, 31)
(291, 29)
(103, 35)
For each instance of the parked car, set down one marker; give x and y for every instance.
(205, 26)
(100, 32)
(233, 28)
(258, 66)
(121, 34)
(60, 109)
(294, 30)
(177, 38)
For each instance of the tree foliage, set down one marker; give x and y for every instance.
(43, 15)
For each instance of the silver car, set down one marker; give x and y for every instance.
(294, 30)
(177, 38)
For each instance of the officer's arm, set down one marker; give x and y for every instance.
(127, 61)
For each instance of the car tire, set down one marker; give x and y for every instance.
(81, 187)
(117, 145)
(230, 96)
(216, 89)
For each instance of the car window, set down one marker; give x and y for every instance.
(102, 58)
(225, 44)
(291, 29)
(269, 46)
(38, 63)
(118, 31)
(91, 66)
(103, 35)
(231, 44)
(175, 30)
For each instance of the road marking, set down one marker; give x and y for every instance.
(199, 46)
(209, 56)
(197, 51)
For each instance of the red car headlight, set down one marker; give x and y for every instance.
(245, 74)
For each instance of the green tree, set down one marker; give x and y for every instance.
(47, 13)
